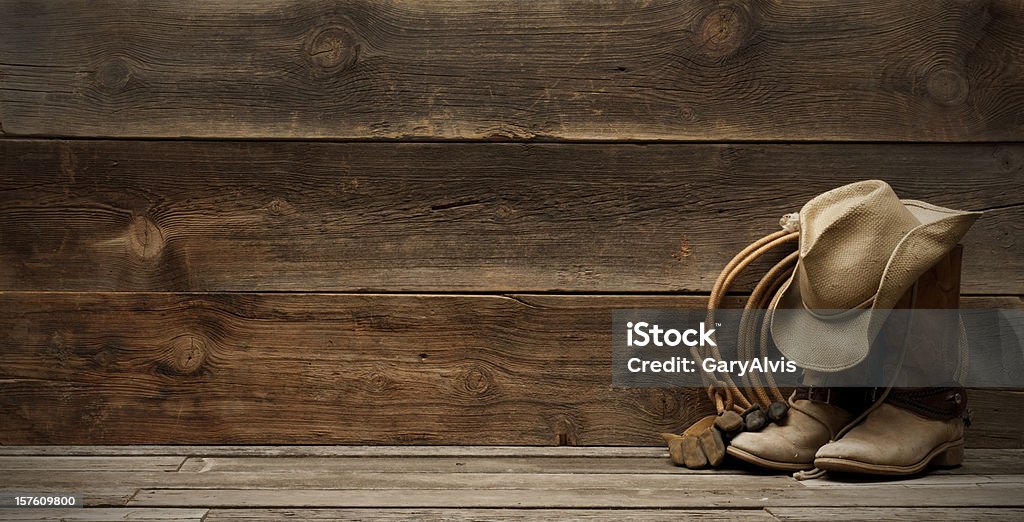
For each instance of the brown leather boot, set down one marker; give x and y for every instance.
(815, 416)
(912, 429)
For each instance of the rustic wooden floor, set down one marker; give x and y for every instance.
(461, 483)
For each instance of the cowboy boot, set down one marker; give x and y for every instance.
(815, 416)
(913, 427)
(910, 430)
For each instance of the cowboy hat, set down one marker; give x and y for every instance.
(861, 249)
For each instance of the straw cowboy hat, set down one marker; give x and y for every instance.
(861, 249)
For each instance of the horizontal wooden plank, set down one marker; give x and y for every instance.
(609, 69)
(318, 476)
(378, 451)
(659, 464)
(458, 515)
(977, 462)
(198, 515)
(445, 459)
(106, 514)
(346, 480)
(83, 368)
(750, 496)
(90, 463)
(993, 419)
(197, 216)
(928, 480)
(636, 459)
(923, 514)
(298, 368)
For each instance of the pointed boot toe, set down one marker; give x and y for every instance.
(894, 441)
(791, 445)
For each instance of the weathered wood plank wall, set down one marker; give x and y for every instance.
(162, 290)
(600, 69)
(210, 216)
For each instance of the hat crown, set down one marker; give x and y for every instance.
(847, 236)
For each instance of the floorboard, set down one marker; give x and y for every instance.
(466, 515)
(922, 514)
(110, 514)
(466, 483)
(751, 496)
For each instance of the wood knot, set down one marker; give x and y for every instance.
(104, 357)
(280, 207)
(662, 404)
(503, 211)
(332, 49)
(946, 86)
(145, 239)
(478, 381)
(377, 381)
(113, 75)
(186, 356)
(688, 114)
(722, 31)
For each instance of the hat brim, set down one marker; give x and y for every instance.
(828, 341)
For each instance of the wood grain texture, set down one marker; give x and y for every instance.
(245, 216)
(298, 479)
(376, 451)
(90, 463)
(625, 496)
(984, 463)
(468, 515)
(542, 484)
(300, 368)
(815, 514)
(479, 459)
(604, 69)
(84, 368)
(433, 515)
(97, 514)
(922, 514)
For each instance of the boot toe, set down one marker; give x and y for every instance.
(791, 444)
(770, 445)
(770, 448)
(892, 441)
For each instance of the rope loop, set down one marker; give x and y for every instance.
(734, 397)
(715, 392)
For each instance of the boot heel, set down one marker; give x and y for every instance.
(952, 457)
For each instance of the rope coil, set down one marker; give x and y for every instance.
(764, 291)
